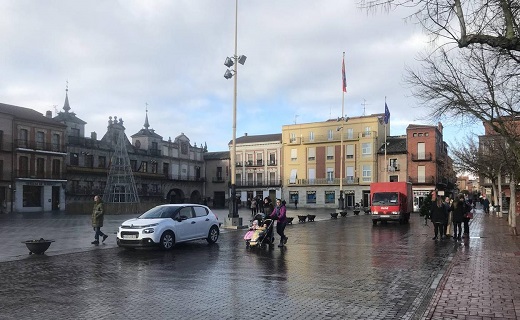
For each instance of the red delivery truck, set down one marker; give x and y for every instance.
(391, 201)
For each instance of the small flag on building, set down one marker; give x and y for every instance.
(387, 114)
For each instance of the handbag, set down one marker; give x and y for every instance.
(469, 215)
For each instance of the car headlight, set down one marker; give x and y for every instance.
(375, 212)
(148, 230)
(395, 212)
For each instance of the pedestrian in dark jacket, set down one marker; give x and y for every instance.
(458, 210)
(268, 206)
(279, 214)
(438, 215)
(98, 214)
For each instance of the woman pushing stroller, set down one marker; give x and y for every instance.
(279, 214)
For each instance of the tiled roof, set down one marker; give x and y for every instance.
(259, 138)
(28, 114)
(395, 145)
(218, 155)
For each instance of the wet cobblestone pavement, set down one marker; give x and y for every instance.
(331, 269)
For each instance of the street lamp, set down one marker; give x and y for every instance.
(232, 62)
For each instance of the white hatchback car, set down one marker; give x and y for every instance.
(168, 224)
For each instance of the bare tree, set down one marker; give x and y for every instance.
(475, 84)
(494, 23)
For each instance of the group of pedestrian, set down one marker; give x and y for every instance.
(444, 213)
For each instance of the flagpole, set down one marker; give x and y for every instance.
(341, 162)
(386, 165)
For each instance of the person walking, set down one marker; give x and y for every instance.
(268, 206)
(253, 206)
(447, 224)
(468, 208)
(279, 214)
(296, 204)
(458, 212)
(98, 214)
(438, 215)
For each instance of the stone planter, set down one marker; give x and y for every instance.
(289, 220)
(302, 218)
(38, 246)
(343, 213)
(334, 215)
(311, 217)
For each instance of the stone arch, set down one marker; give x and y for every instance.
(195, 197)
(175, 196)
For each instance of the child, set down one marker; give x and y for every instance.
(251, 231)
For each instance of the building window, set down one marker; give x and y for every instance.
(311, 196)
(330, 152)
(330, 196)
(421, 174)
(144, 166)
(415, 134)
(350, 151)
(420, 134)
(311, 154)
(394, 178)
(166, 168)
(366, 149)
(294, 154)
(426, 134)
(102, 161)
(367, 132)
(89, 161)
(330, 135)
(154, 166)
(330, 174)
(23, 136)
(55, 142)
(219, 174)
(40, 140)
(56, 168)
(350, 133)
(23, 166)
(74, 159)
(393, 165)
(367, 173)
(74, 132)
(272, 159)
(32, 196)
(1, 169)
(292, 137)
(133, 165)
(259, 159)
(311, 136)
(40, 168)
(350, 174)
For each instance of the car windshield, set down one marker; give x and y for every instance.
(385, 198)
(158, 212)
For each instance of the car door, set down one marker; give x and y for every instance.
(203, 221)
(187, 227)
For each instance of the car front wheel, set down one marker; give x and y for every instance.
(167, 240)
(213, 235)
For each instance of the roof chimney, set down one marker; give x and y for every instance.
(48, 114)
(245, 134)
(439, 125)
(93, 135)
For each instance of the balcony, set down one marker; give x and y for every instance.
(325, 181)
(422, 156)
(394, 167)
(218, 180)
(425, 180)
(81, 141)
(39, 146)
(26, 174)
(259, 183)
(272, 163)
(178, 177)
(155, 152)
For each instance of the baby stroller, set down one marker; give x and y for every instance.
(260, 234)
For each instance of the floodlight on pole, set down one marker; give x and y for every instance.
(232, 62)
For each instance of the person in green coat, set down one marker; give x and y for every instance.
(97, 220)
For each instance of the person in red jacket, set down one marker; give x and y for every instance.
(279, 214)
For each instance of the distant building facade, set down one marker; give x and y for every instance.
(32, 161)
(312, 160)
(259, 166)
(396, 166)
(216, 190)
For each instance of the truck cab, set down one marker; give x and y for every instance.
(391, 201)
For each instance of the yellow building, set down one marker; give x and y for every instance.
(313, 166)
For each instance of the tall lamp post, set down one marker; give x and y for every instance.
(232, 62)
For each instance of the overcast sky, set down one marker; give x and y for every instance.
(118, 56)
